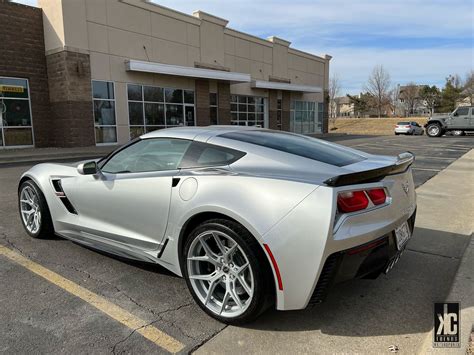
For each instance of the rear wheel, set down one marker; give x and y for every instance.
(34, 211)
(434, 130)
(226, 272)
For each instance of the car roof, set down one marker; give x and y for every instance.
(203, 133)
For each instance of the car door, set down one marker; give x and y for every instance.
(460, 118)
(127, 202)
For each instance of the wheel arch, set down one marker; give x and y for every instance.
(200, 217)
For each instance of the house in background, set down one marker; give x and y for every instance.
(344, 107)
(410, 103)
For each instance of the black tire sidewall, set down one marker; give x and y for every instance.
(261, 282)
(428, 130)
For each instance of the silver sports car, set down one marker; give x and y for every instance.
(251, 218)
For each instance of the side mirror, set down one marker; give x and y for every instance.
(89, 168)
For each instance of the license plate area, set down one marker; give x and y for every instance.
(402, 235)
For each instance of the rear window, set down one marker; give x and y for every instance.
(302, 146)
(403, 123)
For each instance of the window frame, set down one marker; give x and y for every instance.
(246, 112)
(216, 106)
(317, 121)
(144, 125)
(115, 112)
(31, 126)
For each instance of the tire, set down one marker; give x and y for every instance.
(253, 298)
(434, 130)
(31, 198)
(396, 134)
(458, 133)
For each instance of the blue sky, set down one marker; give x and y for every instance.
(415, 40)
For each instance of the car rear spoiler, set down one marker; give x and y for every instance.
(403, 163)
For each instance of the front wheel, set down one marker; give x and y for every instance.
(434, 130)
(34, 211)
(226, 272)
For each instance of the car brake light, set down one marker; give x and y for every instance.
(351, 201)
(377, 196)
(407, 126)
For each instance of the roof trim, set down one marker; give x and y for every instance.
(167, 69)
(262, 84)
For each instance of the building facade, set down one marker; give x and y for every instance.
(116, 69)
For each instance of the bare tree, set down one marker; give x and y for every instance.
(411, 96)
(334, 89)
(378, 86)
(395, 99)
(469, 87)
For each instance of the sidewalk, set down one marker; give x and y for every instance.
(371, 316)
(39, 155)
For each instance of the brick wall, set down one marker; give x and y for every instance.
(285, 113)
(70, 89)
(22, 56)
(223, 103)
(272, 109)
(202, 103)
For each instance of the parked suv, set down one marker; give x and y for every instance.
(408, 128)
(458, 122)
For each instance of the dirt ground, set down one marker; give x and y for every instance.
(371, 126)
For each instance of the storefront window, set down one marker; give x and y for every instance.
(151, 108)
(15, 114)
(305, 117)
(247, 110)
(103, 96)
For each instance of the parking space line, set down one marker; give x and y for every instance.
(124, 317)
(427, 169)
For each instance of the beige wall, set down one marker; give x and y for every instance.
(112, 31)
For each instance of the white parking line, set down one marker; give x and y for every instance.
(427, 169)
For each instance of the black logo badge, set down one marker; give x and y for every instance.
(446, 325)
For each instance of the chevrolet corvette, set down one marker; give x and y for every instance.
(251, 218)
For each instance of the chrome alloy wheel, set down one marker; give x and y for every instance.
(30, 209)
(434, 130)
(220, 274)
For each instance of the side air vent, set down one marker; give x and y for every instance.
(62, 196)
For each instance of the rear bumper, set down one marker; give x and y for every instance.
(368, 260)
(403, 130)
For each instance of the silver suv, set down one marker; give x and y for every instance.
(458, 122)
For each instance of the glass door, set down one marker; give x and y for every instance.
(15, 113)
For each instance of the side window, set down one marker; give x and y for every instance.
(157, 154)
(201, 155)
(462, 111)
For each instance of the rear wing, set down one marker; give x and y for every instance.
(405, 160)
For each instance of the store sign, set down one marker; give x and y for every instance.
(12, 88)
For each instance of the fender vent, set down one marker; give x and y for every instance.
(62, 196)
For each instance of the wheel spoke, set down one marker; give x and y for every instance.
(28, 212)
(244, 284)
(219, 243)
(208, 249)
(224, 301)
(210, 290)
(208, 277)
(27, 202)
(234, 295)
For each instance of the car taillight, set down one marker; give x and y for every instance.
(407, 126)
(377, 196)
(351, 201)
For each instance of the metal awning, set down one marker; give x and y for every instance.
(273, 85)
(167, 69)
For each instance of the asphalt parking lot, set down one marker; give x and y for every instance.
(41, 316)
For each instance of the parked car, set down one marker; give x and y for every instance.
(251, 218)
(460, 121)
(411, 128)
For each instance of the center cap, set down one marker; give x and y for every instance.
(225, 269)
